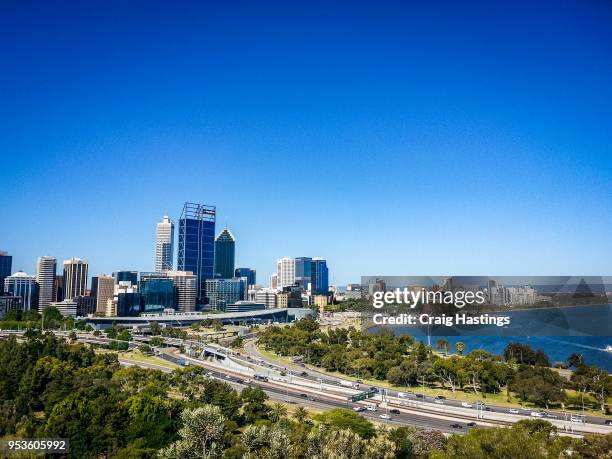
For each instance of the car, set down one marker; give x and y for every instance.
(371, 407)
(310, 399)
(456, 426)
(359, 408)
(439, 402)
(537, 414)
(360, 381)
(608, 422)
(466, 405)
(402, 395)
(471, 424)
(441, 397)
(374, 389)
(394, 411)
(513, 411)
(420, 396)
(575, 418)
(384, 416)
(228, 376)
(550, 415)
(303, 395)
(303, 373)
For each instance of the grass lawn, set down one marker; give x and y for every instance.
(137, 356)
(500, 399)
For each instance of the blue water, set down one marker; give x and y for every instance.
(559, 332)
(558, 348)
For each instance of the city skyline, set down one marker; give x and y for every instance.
(392, 135)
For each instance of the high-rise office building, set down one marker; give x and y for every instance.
(58, 288)
(249, 273)
(106, 291)
(126, 276)
(75, 278)
(266, 296)
(164, 245)
(157, 292)
(285, 269)
(45, 276)
(303, 272)
(221, 292)
(225, 250)
(23, 286)
(127, 301)
(320, 277)
(196, 243)
(186, 284)
(6, 264)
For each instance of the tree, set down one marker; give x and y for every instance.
(301, 414)
(277, 412)
(201, 435)
(459, 347)
(340, 418)
(254, 406)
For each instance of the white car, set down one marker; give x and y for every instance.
(576, 419)
(402, 395)
(384, 416)
(514, 411)
(248, 381)
(371, 408)
(358, 408)
(466, 405)
(439, 402)
(537, 414)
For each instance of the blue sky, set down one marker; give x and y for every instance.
(388, 138)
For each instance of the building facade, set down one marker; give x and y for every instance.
(126, 276)
(249, 273)
(266, 296)
(67, 308)
(164, 245)
(225, 252)
(58, 288)
(45, 276)
(157, 292)
(319, 284)
(285, 271)
(23, 286)
(244, 306)
(196, 243)
(6, 265)
(221, 292)
(105, 292)
(186, 285)
(75, 278)
(303, 272)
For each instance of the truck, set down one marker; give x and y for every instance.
(349, 384)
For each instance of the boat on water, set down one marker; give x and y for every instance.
(608, 348)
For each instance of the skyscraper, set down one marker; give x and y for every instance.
(186, 284)
(303, 272)
(75, 278)
(23, 286)
(58, 288)
(164, 245)
(320, 277)
(196, 245)
(249, 273)
(225, 248)
(106, 290)
(6, 264)
(285, 270)
(45, 276)
(157, 292)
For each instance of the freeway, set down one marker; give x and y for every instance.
(253, 354)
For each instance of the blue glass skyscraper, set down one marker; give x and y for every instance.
(320, 277)
(6, 263)
(225, 249)
(196, 243)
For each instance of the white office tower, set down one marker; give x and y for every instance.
(106, 290)
(45, 276)
(164, 245)
(24, 286)
(285, 269)
(186, 284)
(75, 278)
